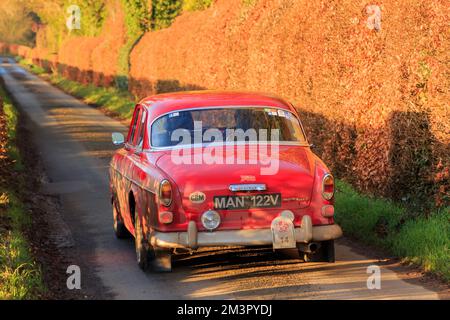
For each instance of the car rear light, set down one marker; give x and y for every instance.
(165, 193)
(328, 187)
(328, 211)
(165, 217)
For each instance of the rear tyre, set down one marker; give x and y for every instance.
(142, 251)
(324, 254)
(148, 257)
(328, 251)
(120, 230)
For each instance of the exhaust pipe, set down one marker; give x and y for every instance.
(309, 247)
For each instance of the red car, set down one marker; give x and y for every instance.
(205, 169)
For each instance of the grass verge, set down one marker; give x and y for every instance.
(20, 276)
(417, 239)
(30, 66)
(424, 241)
(116, 102)
(112, 100)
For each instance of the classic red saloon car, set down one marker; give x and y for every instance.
(205, 169)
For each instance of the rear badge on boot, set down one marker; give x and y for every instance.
(197, 197)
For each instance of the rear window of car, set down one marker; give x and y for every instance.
(226, 124)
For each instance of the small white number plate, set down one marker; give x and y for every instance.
(283, 234)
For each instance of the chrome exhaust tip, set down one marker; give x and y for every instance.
(308, 247)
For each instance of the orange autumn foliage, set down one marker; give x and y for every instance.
(94, 59)
(375, 103)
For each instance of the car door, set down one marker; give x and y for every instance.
(135, 169)
(126, 170)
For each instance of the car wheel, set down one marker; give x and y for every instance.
(328, 251)
(142, 252)
(120, 230)
(324, 254)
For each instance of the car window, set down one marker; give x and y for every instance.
(134, 124)
(140, 130)
(227, 120)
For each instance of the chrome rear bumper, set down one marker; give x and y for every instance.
(249, 237)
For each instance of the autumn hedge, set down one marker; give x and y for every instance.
(375, 103)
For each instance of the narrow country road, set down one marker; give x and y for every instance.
(73, 140)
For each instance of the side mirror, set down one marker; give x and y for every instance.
(118, 139)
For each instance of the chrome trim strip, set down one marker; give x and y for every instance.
(247, 187)
(132, 181)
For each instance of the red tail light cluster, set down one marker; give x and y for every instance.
(166, 217)
(328, 211)
(165, 193)
(328, 187)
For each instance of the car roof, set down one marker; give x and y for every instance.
(168, 102)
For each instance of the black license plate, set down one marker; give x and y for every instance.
(271, 200)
